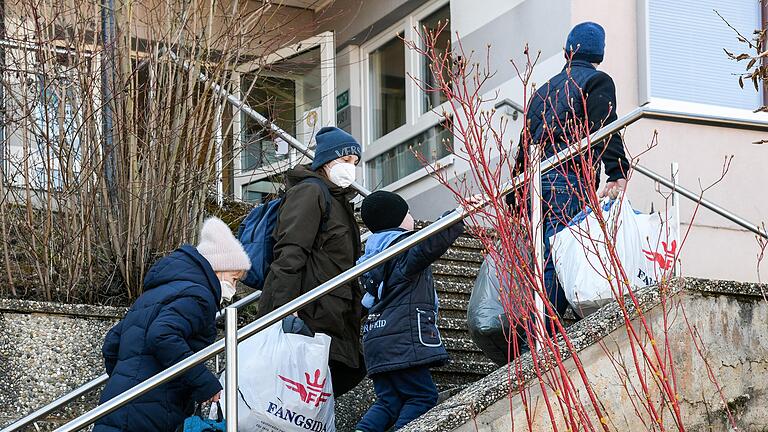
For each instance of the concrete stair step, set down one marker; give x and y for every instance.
(465, 241)
(461, 269)
(462, 254)
(456, 334)
(454, 314)
(451, 323)
(453, 284)
(452, 296)
(453, 304)
(460, 344)
(468, 357)
(461, 366)
(450, 379)
(460, 314)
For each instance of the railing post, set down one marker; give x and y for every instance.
(677, 271)
(537, 224)
(230, 344)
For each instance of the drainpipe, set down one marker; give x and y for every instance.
(107, 82)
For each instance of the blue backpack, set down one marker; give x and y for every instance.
(256, 234)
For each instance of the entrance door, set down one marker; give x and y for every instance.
(294, 88)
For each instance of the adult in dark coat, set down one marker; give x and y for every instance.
(579, 94)
(314, 244)
(174, 318)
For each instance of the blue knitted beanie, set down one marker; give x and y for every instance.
(333, 143)
(586, 42)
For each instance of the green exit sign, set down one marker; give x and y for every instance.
(342, 100)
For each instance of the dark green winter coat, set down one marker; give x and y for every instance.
(305, 256)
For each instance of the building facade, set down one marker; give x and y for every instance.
(662, 54)
(347, 63)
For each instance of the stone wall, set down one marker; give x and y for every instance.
(46, 350)
(732, 322)
(66, 341)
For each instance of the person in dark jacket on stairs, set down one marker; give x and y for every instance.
(314, 244)
(401, 340)
(578, 96)
(174, 318)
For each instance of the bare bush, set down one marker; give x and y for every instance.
(483, 139)
(110, 147)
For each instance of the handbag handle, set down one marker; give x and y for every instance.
(219, 412)
(198, 410)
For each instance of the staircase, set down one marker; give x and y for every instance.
(455, 275)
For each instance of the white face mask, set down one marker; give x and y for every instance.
(227, 291)
(342, 174)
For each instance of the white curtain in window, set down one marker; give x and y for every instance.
(687, 61)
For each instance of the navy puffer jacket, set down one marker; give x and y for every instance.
(174, 318)
(401, 331)
(579, 92)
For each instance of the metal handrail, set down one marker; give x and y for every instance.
(698, 199)
(436, 227)
(651, 112)
(250, 112)
(343, 278)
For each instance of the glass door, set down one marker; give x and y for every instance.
(293, 88)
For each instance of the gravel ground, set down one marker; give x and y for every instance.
(44, 355)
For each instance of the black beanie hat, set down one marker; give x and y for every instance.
(383, 210)
(510, 199)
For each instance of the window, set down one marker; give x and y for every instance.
(387, 93)
(401, 112)
(686, 41)
(275, 99)
(292, 87)
(289, 92)
(58, 119)
(433, 144)
(259, 192)
(432, 23)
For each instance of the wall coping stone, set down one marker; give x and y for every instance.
(52, 308)
(728, 288)
(479, 396)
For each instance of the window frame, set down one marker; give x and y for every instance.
(17, 141)
(418, 174)
(644, 75)
(325, 41)
(416, 121)
(763, 20)
(419, 17)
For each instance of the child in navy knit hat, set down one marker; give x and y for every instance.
(400, 336)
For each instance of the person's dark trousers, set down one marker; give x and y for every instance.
(401, 396)
(345, 378)
(562, 199)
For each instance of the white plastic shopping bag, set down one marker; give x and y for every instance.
(284, 383)
(646, 246)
